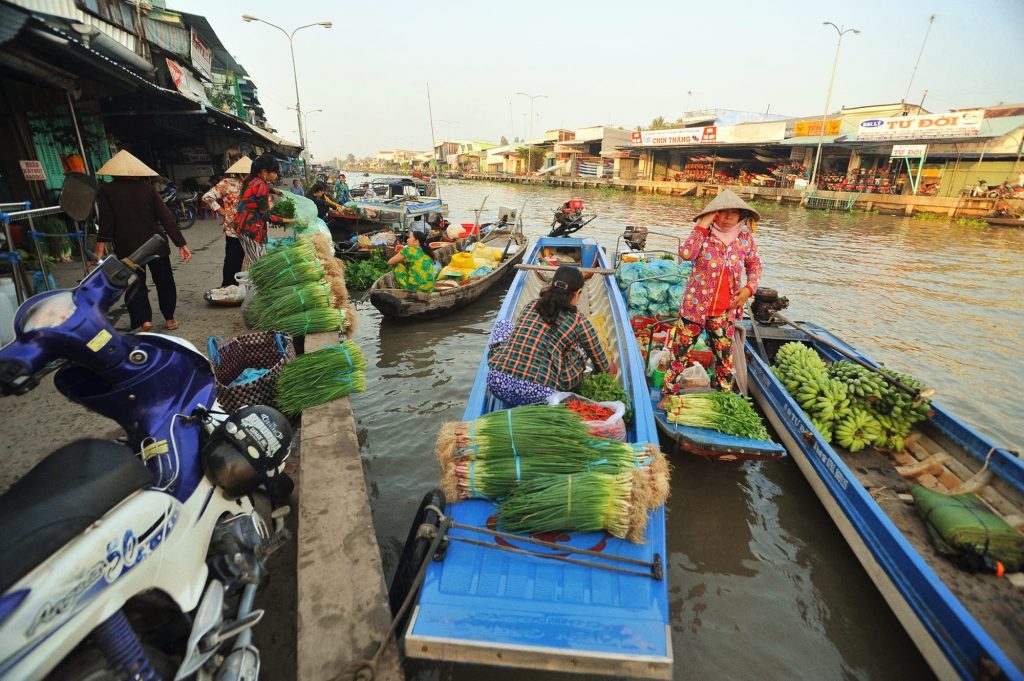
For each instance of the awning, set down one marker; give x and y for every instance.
(810, 141)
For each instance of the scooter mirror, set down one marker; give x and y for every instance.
(78, 196)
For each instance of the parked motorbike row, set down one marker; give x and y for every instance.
(138, 560)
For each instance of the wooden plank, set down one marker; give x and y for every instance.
(552, 268)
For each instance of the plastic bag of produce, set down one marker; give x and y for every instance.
(305, 209)
(695, 376)
(675, 294)
(660, 268)
(636, 297)
(657, 291)
(610, 426)
(628, 273)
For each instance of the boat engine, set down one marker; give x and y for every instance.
(766, 303)
(568, 218)
(635, 237)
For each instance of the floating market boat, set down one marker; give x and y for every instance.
(700, 441)
(607, 613)
(1004, 222)
(395, 302)
(966, 625)
(398, 213)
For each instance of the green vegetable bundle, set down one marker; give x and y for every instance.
(321, 376)
(58, 248)
(360, 274)
(590, 501)
(312, 321)
(725, 412)
(284, 208)
(848, 402)
(295, 264)
(270, 305)
(606, 388)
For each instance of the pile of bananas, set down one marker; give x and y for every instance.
(848, 402)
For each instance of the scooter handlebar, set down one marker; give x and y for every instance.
(149, 249)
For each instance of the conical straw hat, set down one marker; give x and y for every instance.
(727, 200)
(242, 166)
(124, 164)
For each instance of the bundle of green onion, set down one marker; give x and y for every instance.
(725, 412)
(312, 321)
(321, 376)
(273, 304)
(590, 501)
(295, 264)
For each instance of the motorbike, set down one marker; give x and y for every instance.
(183, 205)
(569, 218)
(1006, 191)
(138, 559)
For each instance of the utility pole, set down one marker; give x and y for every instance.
(529, 142)
(828, 97)
(931, 20)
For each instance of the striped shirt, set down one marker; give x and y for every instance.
(552, 356)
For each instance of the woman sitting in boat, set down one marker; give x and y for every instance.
(547, 348)
(722, 250)
(414, 264)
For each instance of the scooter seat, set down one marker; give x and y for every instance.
(59, 498)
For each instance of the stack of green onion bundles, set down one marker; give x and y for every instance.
(549, 474)
(299, 289)
(319, 377)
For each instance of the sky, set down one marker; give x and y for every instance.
(603, 63)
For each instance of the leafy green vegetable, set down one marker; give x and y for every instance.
(360, 274)
(284, 208)
(606, 388)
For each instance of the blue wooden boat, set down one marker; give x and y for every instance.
(965, 625)
(494, 607)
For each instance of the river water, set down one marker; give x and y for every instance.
(761, 583)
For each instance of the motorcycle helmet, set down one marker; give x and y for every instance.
(247, 449)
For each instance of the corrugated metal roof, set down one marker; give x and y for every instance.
(11, 21)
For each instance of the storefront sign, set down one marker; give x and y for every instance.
(676, 136)
(616, 154)
(928, 126)
(32, 170)
(813, 128)
(202, 55)
(186, 83)
(909, 150)
(747, 133)
(566, 149)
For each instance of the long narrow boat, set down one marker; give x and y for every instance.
(487, 606)
(700, 441)
(392, 301)
(965, 625)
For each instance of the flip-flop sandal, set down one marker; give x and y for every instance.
(146, 326)
(172, 325)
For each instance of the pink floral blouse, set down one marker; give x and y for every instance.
(709, 256)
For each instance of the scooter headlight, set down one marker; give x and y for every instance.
(49, 312)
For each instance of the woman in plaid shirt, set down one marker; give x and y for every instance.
(547, 348)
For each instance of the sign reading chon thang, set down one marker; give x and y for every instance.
(927, 126)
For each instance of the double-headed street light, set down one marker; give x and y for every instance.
(295, 73)
(841, 30)
(529, 142)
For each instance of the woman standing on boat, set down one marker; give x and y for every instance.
(253, 209)
(414, 264)
(722, 250)
(547, 348)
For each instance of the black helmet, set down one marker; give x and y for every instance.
(247, 449)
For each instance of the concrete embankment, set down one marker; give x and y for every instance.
(968, 207)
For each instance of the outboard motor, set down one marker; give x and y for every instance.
(765, 304)
(569, 218)
(635, 237)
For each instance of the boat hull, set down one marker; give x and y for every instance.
(485, 606)
(950, 639)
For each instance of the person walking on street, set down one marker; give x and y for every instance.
(254, 214)
(726, 271)
(222, 199)
(297, 187)
(130, 212)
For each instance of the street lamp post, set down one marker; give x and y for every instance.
(529, 141)
(841, 30)
(295, 75)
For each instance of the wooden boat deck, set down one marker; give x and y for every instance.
(997, 603)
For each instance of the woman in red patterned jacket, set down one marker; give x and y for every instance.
(253, 209)
(723, 252)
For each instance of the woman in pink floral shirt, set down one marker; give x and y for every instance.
(726, 271)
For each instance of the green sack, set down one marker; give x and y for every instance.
(963, 526)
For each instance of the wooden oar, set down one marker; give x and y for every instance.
(924, 394)
(552, 268)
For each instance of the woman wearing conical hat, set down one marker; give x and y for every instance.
(222, 198)
(130, 212)
(726, 271)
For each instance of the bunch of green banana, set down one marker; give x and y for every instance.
(806, 378)
(857, 430)
(861, 382)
